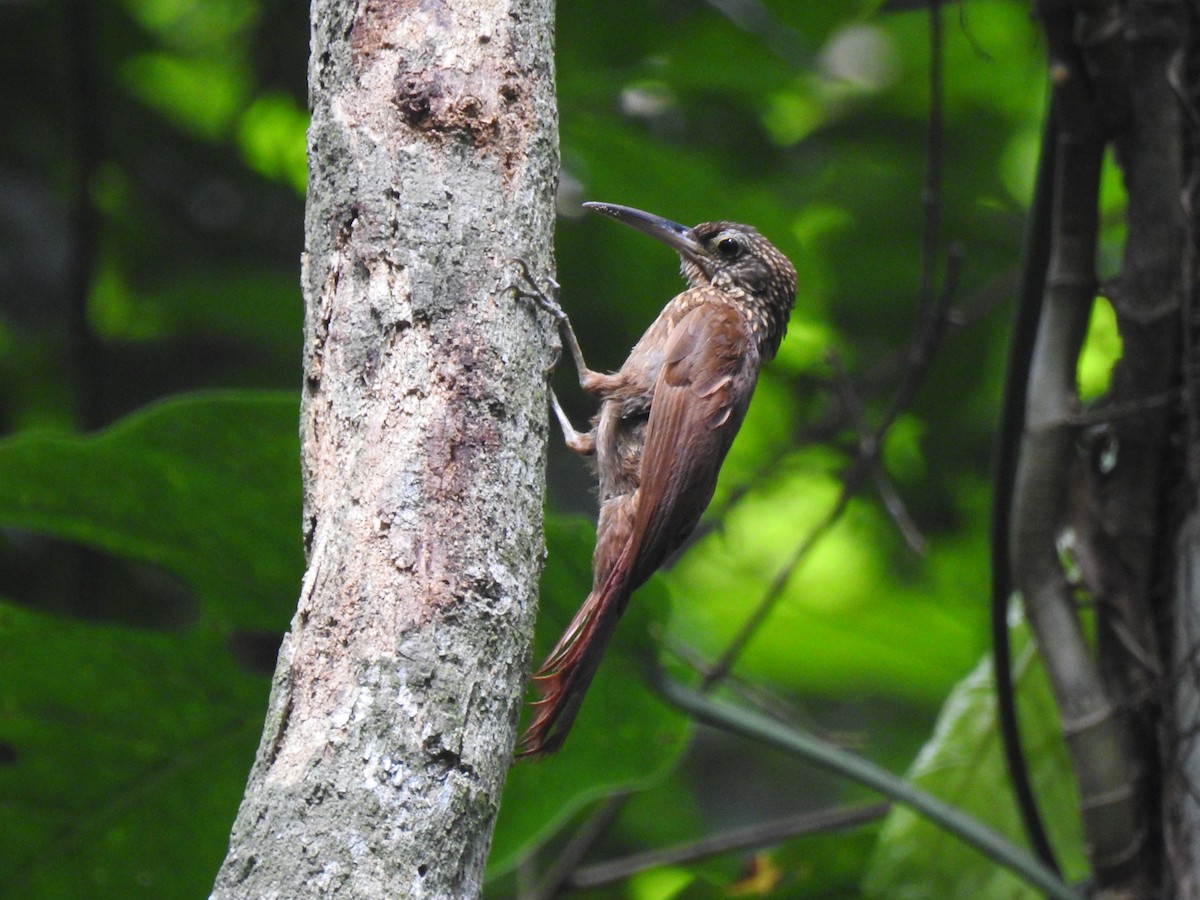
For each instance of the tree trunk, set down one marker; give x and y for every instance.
(433, 155)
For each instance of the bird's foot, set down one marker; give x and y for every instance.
(545, 295)
(526, 287)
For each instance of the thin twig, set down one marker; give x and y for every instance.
(911, 361)
(756, 18)
(560, 875)
(768, 732)
(931, 192)
(930, 329)
(775, 590)
(870, 450)
(751, 837)
(929, 335)
(1112, 412)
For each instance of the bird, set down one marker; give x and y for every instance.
(666, 421)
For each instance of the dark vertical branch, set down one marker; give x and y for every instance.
(1181, 753)
(1182, 77)
(1128, 502)
(1034, 264)
(85, 363)
(1096, 732)
(1146, 300)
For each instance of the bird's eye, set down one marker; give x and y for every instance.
(729, 247)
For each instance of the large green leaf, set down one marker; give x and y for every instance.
(963, 763)
(205, 486)
(625, 738)
(124, 749)
(124, 755)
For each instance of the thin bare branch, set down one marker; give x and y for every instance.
(869, 450)
(932, 322)
(931, 193)
(775, 589)
(801, 745)
(751, 837)
(563, 873)
(929, 333)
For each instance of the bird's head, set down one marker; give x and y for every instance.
(725, 255)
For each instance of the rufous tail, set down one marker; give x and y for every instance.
(564, 677)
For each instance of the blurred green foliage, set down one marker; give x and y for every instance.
(148, 571)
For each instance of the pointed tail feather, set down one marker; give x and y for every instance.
(563, 679)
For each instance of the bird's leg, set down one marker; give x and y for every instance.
(547, 298)
(579, 441)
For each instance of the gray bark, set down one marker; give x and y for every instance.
(433, 155)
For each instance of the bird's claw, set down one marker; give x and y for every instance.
(527, 288)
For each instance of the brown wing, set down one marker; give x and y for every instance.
(710, 367)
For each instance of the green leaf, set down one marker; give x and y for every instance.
(271, 135)
(963, 764)
(625, 738)
(123, 751)
(205, 486)
(124, 756)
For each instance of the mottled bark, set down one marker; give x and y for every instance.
(433, 155)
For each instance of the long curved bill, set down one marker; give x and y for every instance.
(674, 235)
